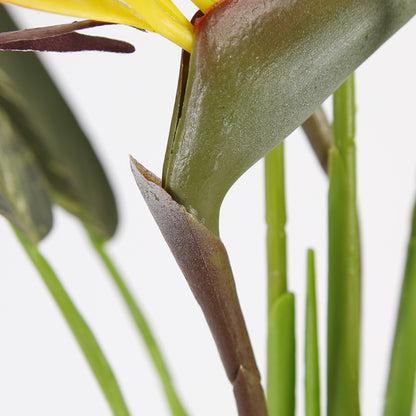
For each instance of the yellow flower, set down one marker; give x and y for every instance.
(161, 16)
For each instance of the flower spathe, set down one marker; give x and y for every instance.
(161, 16)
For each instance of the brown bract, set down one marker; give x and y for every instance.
(62, 38)
(204, 262)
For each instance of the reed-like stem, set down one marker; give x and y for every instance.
(143, 327)
(401, 382)
(82, 333)
(312, 388)
(281, 306)
(343, 262)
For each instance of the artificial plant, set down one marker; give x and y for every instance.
(251, 72)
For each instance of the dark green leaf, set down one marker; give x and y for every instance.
(24, 198)
(76, 178)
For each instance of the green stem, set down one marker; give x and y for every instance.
(281, 357)
(79, 328)
(312, 401)
(276, 222)
(343, 262)
(174, 403)
(281, 315)
(401, 383)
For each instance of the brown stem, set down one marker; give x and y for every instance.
(319, 133)
(61, 38)
(204, 262)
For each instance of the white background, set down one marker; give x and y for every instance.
(125, 104)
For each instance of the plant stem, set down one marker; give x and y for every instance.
(174, 403)
(319, 133)
(281, 314)
(79, 328)
(343, 262)
(401, 383)
(312, 390)
(276, 222)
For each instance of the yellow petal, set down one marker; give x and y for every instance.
(162, 22)
(204, 5)
(170, 7)
(112, 11)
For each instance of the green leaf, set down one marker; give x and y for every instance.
(24, 198)
(259, 69)
(76, 178)
(343, 263)
(312, 400)
(80, 329)
(401, 383)
(144, 329)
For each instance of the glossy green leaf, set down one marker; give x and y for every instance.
(76, 178)
(258, 69)
(343, 263)
(401, 383)
(24, 198)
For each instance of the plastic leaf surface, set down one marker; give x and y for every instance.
(24, 198)
(75, 176)
(258, 70)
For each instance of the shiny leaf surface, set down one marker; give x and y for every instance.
(258, 70)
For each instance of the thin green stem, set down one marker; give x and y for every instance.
(343, 262)
(175, 404)
(281, 314)
(79, 328)
(281, 357)
(276, 222)
(401, 382)
(312, 400)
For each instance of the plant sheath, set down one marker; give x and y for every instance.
(175, 405)
(401, 382)
(312, 390)
(343, 262)
(281, 313)
(79, 328)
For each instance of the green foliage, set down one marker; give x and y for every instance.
(257, 73)
(24, 197)
(312, 389)
(143, 327)
(254, 75)
(401, 383)
(343, 262)
(281, 357)
(79, 328)
(48, 128)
